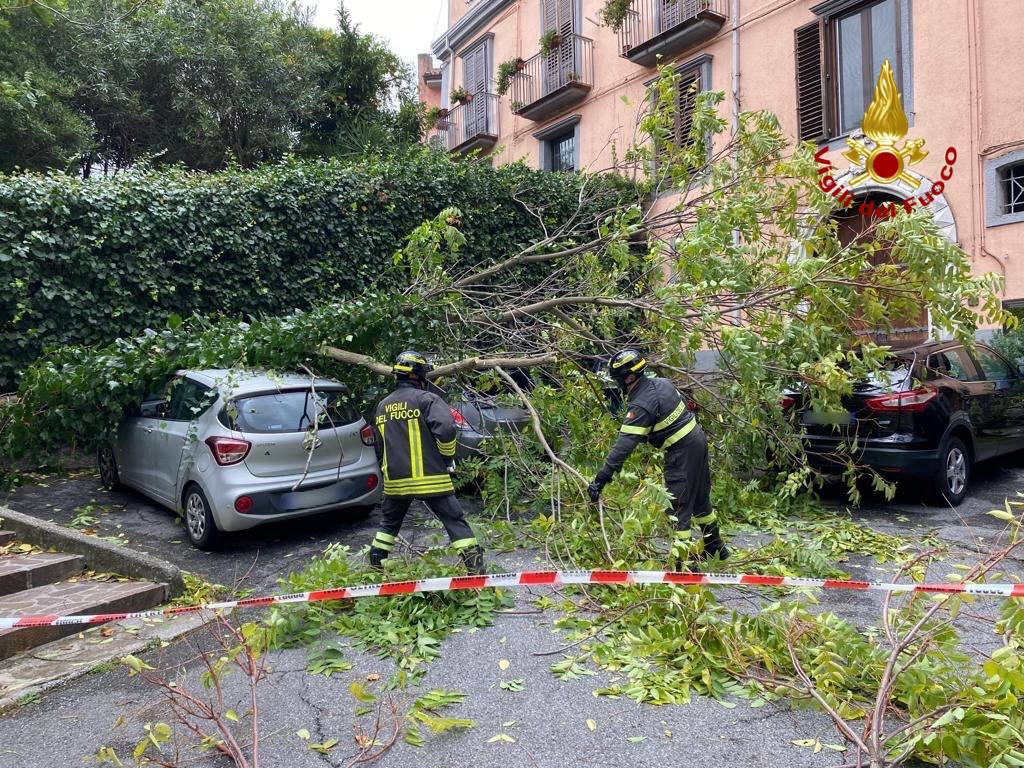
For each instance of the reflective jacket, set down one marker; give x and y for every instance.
(416, 444)
(655, 412)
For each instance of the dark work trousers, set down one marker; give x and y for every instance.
(688, 480)
(445, 508)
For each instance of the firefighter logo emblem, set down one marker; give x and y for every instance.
(882, 158)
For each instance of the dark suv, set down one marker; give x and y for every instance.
(931, 414)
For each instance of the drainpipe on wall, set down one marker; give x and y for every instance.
(977, 114)
(735, 67)
(736, 105)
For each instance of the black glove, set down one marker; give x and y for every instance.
(594, 490)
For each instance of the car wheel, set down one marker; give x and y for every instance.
(199, 524)
(953, 475)
(110, 475)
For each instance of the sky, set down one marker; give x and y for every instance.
(408, 26)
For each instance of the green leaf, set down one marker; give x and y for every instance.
(134, 664)
(361, 694)
(323, 747)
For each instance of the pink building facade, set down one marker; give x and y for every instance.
(813, 63)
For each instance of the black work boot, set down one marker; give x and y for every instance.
(377, 557)
(713, 544)
(473, 558)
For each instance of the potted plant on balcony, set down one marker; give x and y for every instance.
(506, 71)
(549, 41)
(430, 118)
(615, 12)
(461, 96)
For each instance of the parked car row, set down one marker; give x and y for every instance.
(230, 450)
(931, 414)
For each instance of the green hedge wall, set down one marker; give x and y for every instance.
(88, 261)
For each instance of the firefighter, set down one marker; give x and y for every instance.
(416, 448)
(655, 411)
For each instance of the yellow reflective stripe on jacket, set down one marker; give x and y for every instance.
(412, 486)
(425, 480)
(384, 447)
(631, 430)
(683, 431)
(671, 418)
(446, 449)
(415, 449)
(438, 490)
(426, 491)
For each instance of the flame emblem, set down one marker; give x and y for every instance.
(885, 124)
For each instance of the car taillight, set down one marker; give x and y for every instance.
(244, 504)
(366, 435)
(787, 402)
(914, 400)
(460, 420)
(228, 450)
(371, 482)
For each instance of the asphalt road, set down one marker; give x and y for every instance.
(545, 724)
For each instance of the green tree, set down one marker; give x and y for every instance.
(105, 84)
(202, 84)
(367, 99)
(39, 124)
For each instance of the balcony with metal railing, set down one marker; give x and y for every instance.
(665, 28)
(469, 126)
(550, 82)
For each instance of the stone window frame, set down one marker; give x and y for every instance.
(557, 130)
(994, 216)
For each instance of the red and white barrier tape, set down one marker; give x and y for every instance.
(527, 579)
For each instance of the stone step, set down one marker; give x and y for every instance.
(63, 599)
(6, 537)
(18, 572)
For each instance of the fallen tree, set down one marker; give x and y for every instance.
(745, 262)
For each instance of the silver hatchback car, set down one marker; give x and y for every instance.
(231, 449)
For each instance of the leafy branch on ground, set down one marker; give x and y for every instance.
(202, 716)
(408, 629)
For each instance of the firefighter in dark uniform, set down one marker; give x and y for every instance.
(416, 445)
(656, 412)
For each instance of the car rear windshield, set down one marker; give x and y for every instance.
(292, 411)
(894, 373)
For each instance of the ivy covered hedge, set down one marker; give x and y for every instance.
(88, 261)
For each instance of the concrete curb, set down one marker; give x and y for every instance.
(47, 667)
(99, 555)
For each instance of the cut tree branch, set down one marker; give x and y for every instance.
(468, 364)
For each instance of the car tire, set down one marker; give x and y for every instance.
(953, 474)
(200, 526)
(110, 473)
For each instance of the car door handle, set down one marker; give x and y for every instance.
(148, 430)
